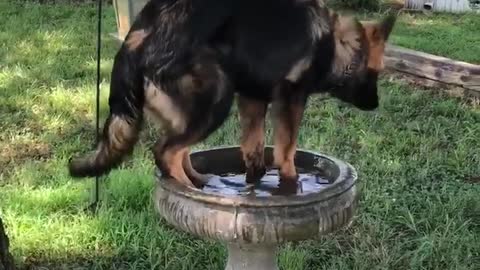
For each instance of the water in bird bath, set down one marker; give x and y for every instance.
(233, 184)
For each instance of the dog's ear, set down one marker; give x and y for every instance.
(333, 16)
(379, 31)
(386, 26)
(377, 34)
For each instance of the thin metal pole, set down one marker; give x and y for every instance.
(97, 116)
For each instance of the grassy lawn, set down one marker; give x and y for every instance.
(453, 36)
(418, 160)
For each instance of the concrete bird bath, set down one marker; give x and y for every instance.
(252, 221)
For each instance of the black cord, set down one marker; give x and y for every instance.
(97, 117)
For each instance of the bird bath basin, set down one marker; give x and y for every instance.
(253, 220)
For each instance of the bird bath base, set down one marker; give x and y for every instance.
(253, 220)
(254, 257)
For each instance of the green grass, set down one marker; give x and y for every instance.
(413, 156)
(453, 36)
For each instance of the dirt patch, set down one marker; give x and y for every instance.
(13, 154)
(470, 96)
(472, 180)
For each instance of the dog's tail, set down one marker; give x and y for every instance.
(122, 127)
(119, 137)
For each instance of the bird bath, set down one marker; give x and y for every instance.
(252, 221)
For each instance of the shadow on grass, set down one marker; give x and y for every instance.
(47, 80)
(126, 233)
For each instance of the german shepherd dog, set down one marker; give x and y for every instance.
(183, 60)
(342, 57)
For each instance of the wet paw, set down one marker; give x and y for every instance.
(254, 174)
(200, 180)
(288, 178)
(288, 172)
(181, 178)
(185, 181)
(287, 187)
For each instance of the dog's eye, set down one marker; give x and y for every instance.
(348, 70)
(352, 66)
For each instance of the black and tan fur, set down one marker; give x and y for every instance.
(165, 69)
(340, 56)
(183, 60)
(345, 63)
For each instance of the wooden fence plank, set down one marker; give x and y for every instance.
(433, 67)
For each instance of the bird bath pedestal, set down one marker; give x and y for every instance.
(253, 221)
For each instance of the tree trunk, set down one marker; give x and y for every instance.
(6, 259)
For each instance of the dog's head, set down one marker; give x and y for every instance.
(359, 50)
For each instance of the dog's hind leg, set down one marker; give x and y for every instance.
(170, 161)
(169, 150)
(198, 179)
(195, 105)
(176, 160)
(173, 159)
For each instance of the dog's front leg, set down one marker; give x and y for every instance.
(252, 120)
(288, 108)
